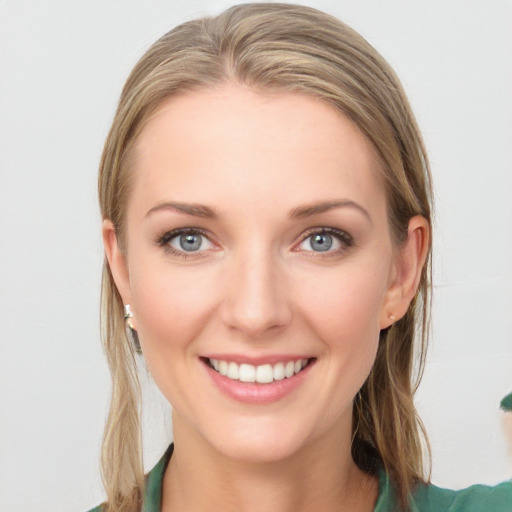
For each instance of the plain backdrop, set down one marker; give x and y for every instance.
(62, 66)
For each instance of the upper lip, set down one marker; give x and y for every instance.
(257, 361)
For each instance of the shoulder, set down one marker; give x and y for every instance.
(477, 498)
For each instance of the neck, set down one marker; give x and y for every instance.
(321, 476)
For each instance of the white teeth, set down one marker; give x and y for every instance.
(247, 373)
(263, 374)
(289, 369)
(278, 372)
(232, 371)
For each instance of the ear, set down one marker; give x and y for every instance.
(116, 260)
(406, 276)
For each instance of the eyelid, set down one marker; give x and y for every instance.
(173, 233)
(164, 239)
(345, 239)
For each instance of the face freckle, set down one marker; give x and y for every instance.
(257, 235)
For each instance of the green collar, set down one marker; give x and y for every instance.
(153, 495)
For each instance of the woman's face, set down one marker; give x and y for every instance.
(257, 245)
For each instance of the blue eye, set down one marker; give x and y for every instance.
(189, 242)
(326, 240)
(186, 241)
(321, 242)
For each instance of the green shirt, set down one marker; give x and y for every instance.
(426, 498)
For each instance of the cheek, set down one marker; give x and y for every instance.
(172, 308)
(171, 304)
(343, 312)
(345, 305)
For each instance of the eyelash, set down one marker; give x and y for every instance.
(163, 241)
(343, 237)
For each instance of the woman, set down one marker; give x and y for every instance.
(266, 203)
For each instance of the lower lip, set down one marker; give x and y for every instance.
(254, 393)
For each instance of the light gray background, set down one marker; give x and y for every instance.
(63, 64)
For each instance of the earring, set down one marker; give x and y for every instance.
(131, 333)
(392, 317)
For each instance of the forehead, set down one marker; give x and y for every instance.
(235, 141)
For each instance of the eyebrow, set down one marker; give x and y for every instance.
(196, 210)
(302, 212)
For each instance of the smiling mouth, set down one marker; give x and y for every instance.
(262, 374)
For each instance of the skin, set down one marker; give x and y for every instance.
(257, 289)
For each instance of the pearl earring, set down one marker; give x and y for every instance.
(131, 333)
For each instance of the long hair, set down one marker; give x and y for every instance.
(299, 50)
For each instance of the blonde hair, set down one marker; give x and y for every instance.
(301, 50)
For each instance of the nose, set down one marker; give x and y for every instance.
(256, 302)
